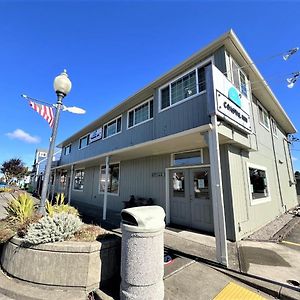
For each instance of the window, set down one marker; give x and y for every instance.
(274, 127)
(183, 88)
(140, 114)
(78, 180)
(263, 117)
(67, 150)
(188, 158)
(258, 184)
(236, 75)
(84, 141)
(113, 179)
(63, 179)
(112, 127)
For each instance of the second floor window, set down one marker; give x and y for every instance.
(180, 89)
(84, 141)
(263, 117)
(140, 114)
(67, 150)
(112, 127)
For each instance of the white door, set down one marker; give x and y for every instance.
(190, 201)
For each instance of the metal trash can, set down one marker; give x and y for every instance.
(142, 256)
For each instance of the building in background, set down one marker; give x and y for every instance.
(195, 140)
(38, 169)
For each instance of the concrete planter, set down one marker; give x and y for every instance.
(69, 264)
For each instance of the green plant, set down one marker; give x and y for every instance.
(48, 229)
(60, 207)
(89, 233)
(5, 190)
(21, 209)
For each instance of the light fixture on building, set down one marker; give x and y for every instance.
(290, 53)
(292, 80)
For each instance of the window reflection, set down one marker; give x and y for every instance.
(200, 184)
(178, 184)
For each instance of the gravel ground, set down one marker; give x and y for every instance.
(270, 231)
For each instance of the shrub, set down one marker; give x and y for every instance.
(89, 233)
(21, 209)
(48, 229)
(60, 206)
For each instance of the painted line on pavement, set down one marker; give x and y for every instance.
(290, 243)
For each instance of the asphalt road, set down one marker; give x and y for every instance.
(292, 239)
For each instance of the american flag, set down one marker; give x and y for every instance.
(45, 111)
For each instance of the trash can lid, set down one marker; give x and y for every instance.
(143, 218)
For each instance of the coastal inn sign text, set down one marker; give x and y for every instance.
(231, 105)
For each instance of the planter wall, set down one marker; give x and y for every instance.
(85, 265)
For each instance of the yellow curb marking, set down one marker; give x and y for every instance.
(233, 291)
(290, 243)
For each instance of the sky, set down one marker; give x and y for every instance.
(111, 49)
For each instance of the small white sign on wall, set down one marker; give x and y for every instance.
(95, 135)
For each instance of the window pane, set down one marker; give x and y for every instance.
(187, 158)
(105, 131)
(151, 109)
(113, 179)
(243, 84)
(130, 120)
(201, 79)
(79, 180)
(141, 113)
(183, 87)
(258, 180)
(111, 128)
(119, 120)
(165, 97)
(178, 184)
(235, 74)
(200, 184)
(83, 142)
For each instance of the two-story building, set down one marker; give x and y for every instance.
(198, 141)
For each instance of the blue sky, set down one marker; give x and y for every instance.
(111, 49)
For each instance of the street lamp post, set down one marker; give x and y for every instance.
(62, 86)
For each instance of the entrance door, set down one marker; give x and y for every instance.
(190, 200)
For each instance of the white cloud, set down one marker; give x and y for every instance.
(294, 158)
(21, 135)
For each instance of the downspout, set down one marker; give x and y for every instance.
(276, 165)
(105, 187)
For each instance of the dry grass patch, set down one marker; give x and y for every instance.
(89, 233)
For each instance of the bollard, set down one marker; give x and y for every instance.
(142, 256)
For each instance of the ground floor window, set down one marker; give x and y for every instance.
(63, 179)
(113, 179)
(78, 180)
(258, 183)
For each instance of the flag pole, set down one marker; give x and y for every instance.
(59, 105)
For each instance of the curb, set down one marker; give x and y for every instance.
(273, 288)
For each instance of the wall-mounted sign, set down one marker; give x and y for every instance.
(95, 135)
(158, 174)
(231, 105)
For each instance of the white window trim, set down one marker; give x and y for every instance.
(193, 150)
(230, 75)
(87, 135)
(135, 107)
(64, 151)
(272, 129)
(108, 193)
(206, 61)
(115, 119)
(75, 190)
(264, 111)
(254, 202)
